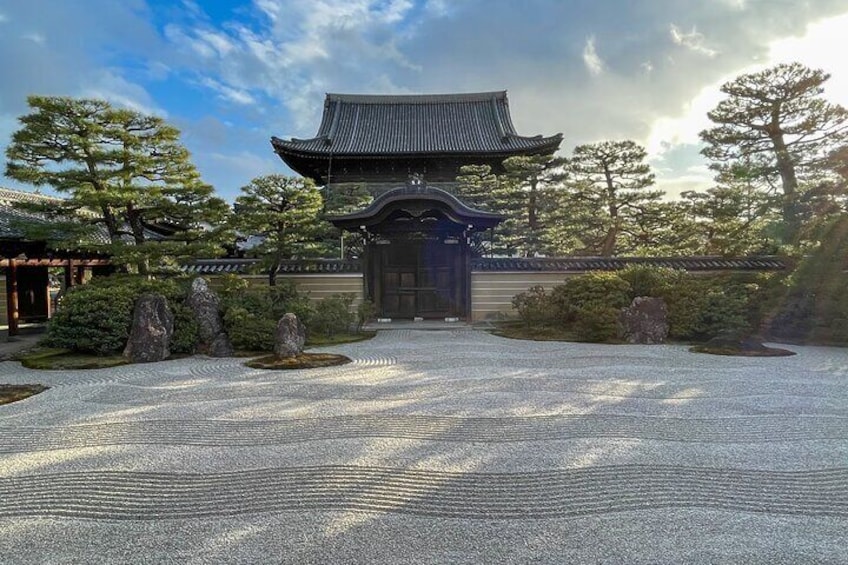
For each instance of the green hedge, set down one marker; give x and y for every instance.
(699, 307)
(811, 304)
(96, 317)
(251, 313)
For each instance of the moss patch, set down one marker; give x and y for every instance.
(302, 361)
(338, 339)
(13, 393)
(319, 341)
(537, 332)
(740, 352)
(52, 359)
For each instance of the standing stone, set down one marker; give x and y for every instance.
(151, 331)
(289, 337)
(206, 306)
(644, 321)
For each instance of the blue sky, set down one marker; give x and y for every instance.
(230, 74)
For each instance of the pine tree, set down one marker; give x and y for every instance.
(776, 123)
(127, 169)
(611, 181)
(286, 212)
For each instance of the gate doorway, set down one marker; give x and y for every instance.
(423, 278)
(417, 257)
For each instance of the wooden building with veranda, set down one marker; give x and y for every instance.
(33, 271)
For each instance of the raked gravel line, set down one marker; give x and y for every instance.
(761, 429)
(434, 447)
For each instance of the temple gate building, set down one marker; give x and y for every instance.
(409, 150)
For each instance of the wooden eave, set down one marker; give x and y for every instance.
(416, 199)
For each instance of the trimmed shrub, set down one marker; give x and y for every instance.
(533, 306)
(186, 329)
(586, 296)
(251, 314)
(92, 319)
(699, 307)
(332, 315)
(651, 281)
(247, 331)
(96, 317)
(597, 324)
(366, 311)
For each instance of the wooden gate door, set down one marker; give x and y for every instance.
(421, 278)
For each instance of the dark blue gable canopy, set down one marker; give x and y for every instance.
(419, 206)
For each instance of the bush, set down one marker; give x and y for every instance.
(96, 317)
(699, 307)
(92, 319)
(332, 315)
(651, 281)
(533, 306)
(587, 303)
(247, 331)
(585, 295)
(251, 314)
(364, 312)
(186, 329)
(596, 324)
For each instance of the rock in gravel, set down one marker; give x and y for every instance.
(151, 331)
(289, 337)
(206, 306)
(645, 320)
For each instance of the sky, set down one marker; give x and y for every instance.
(232, 73)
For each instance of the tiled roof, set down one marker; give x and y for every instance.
(581, 264)
(10, 215)
(8, 196)
(245, 266)
(462, 124)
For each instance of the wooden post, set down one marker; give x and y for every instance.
(12, 297)
(69, 276)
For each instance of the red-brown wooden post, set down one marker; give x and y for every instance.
(12, 297)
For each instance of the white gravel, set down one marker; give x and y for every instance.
(434, 447)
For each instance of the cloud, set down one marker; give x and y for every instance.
(108, 84)
(35, 37)
(823, 45)
(593, 62)
(229, 93)
(692, 40)
(264, 67)
(820, 45)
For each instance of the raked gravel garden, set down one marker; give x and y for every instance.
(451, 446)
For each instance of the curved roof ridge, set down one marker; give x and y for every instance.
(416, 192)
(538, 137)
(416, 98)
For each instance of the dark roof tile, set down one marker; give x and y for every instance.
(475, 123)
(245, 266)
(583, 264)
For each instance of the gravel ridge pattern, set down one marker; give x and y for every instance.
(433, 447)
